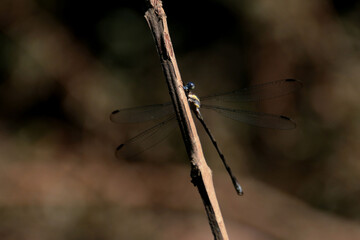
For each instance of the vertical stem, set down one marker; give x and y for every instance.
(200, 172)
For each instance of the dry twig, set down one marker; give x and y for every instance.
(200, 172)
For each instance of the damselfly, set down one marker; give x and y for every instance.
(165, 112)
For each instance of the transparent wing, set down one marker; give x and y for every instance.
(255, 118)
(146, 139)
(258, 92)
(142, 114)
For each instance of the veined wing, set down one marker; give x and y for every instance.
(146, 139)
(258, 92)
(255, 118)
(142, 114)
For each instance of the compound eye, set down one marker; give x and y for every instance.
(191, 85)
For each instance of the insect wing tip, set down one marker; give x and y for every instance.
(299, 82)
(291, 124)
(112, 115)
(118, 153)
(285, 117)
(120, 146)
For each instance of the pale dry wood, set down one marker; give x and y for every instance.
(200, 172)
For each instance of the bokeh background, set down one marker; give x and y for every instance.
(66, 65)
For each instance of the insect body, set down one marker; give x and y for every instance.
(157, 133)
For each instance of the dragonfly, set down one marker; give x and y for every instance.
(165, 114)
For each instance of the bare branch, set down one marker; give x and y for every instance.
(200, 172)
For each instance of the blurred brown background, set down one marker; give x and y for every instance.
(66, 65)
